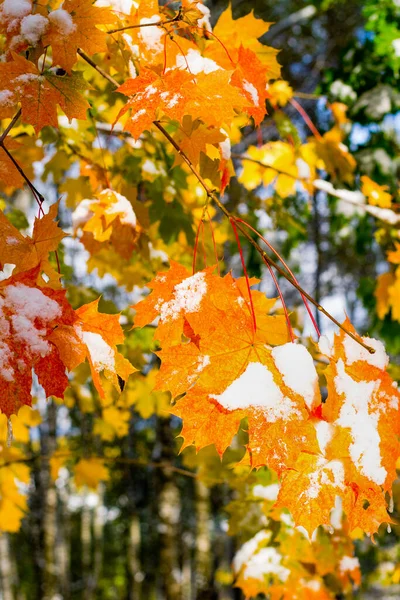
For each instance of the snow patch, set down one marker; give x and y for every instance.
(250, 89)
(363, 424)
(196, 62)
(296, 365)
(187, 297)
(101, 354)
(255, 387)
(355, 352)
(152, 36)
(329, 473)
(324, 434)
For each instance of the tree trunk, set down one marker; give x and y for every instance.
(6, 570)
(203, 541)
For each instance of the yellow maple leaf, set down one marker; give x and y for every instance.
(376, 194)
(89, 472)
(280, 92)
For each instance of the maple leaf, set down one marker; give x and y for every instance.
(29, 315)
(152, 96)
(74, 26)
(337, 159)
(250, 76)
(280, 167)
(107, 220)
(28, 252)
(377, 195)
(39, 93)
(90, 472)
(279, 93)
(309, 489)
(235, 33)
(230, 371)
(94, 336)
(193, 137)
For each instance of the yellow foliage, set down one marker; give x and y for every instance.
(280, 92)
(89, 472)
(376, 195)
(274, 162)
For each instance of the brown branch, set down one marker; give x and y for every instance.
(213, 196)
(98, 69)
(10, 126)
(160, 23)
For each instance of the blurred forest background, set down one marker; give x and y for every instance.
(155, 524)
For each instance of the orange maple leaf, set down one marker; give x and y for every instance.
(152, 96)
(75, 26)
(28, 317)
(27, 252)
(39, 93)
(94, 336)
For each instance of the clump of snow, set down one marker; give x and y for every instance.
(355, 352)
(196, 62)
(188, 295)
(151, 36)
(31, 302)
(329, 473)
(267, 492)
(122, 207)
(355, 414)
(101, 354)
(250, 89)
(324, 434)
(349, 563)
(16, 9)
(296, 365)
(61, 19)
(33, 27)
(255, 387)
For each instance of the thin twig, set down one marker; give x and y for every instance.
(98, 69)
(10, 126)
(160, 23)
